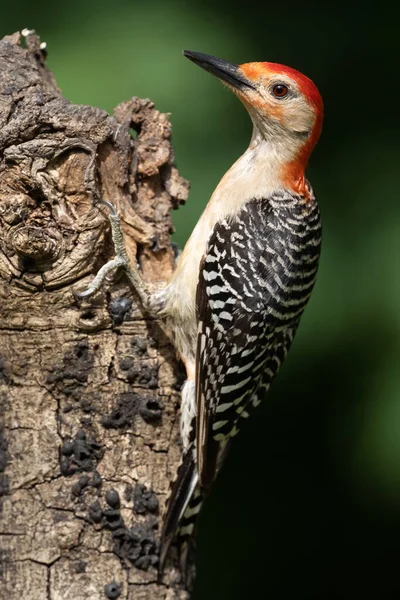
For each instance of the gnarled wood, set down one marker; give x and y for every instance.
(89, 390)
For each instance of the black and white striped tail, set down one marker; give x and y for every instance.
(183, 506)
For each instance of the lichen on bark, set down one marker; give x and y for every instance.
(89, 390)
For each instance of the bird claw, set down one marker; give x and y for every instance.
(98, 281)
(121, 259)
(110, 206)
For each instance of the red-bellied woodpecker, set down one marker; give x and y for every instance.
(244, 278)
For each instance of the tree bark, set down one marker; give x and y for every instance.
(89, 390)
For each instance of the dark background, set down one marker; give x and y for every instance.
(308, 505)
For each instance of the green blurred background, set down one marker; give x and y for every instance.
(308, 505)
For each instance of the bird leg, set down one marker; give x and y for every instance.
(121, 259)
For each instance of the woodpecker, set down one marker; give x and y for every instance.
(235, 300)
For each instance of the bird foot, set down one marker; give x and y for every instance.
(121, 259)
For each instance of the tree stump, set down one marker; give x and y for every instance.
(89, 390)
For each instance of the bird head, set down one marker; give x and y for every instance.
(285, 106)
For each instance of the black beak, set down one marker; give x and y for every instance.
(222, 69)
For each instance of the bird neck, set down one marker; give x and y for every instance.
(283, 158)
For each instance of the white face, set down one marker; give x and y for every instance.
(279, 109)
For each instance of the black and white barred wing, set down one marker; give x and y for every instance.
(255, 281)
(233, 341)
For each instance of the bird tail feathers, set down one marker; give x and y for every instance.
(183, 506)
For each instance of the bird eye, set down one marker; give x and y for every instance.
(280, 90)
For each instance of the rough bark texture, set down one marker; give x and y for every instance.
(89, 390)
